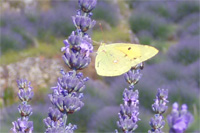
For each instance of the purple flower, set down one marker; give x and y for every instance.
(22, 126)
(25, 94)
(76, 61)
(78, 57)
(54, 119)
(23, 84)
(130, 97)
(67, 95)
(55, 123)
(159, 107)
(55, 130)
(162, 95)
(87, 5)
(128, 116)
(25, 110)
(67, 104)
(70, 82)
(132, 76)
(68, 129)
(179, 120)
(157, 123)
(79, 44)
(126, 124)
(82, 22)
(76, 41)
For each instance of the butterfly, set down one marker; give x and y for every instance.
(118, 58)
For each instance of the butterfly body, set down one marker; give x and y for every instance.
(118, 58)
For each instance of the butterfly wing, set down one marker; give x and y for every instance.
(111, 62)
(136, 52)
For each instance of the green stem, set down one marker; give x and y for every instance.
(65, 119)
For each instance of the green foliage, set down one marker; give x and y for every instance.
(195, 124)
(32, 18)
(147, 40)
(147, 96)
(187, 7)
(7, 43)
(1, 103)
(147, 22)
(140, 22)
(8, 96)
(106, 11)
(180, 94)
(112, 35)
(24, 35)
(11, 115)
(37, 119)
(185, 54)
(143, 124)
(108, 124)
(47, 50)
(15, 39)
(161, 10)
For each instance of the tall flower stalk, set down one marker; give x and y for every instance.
(159, 107)
(128, 115)
(66, 97)
(25, 94)
(179, 120)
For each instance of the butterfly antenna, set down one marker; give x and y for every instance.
(98, 43)
(102, 30)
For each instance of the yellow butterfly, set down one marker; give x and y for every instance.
(118, 58)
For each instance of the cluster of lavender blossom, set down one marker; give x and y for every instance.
(159, 107)
(25, 94)
(67, 95)
(128, 116)
(178, 121)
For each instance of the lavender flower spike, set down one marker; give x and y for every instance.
(25, 94)
(128, 116)
(129, 111)
(67, 95)
(159, 107)
(179, 120)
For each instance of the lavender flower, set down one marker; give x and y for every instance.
(25, 110)
(25, 90)
(129, 111)
(83, 23)
(179, 120)
(22, 126)
(55, 123)
(159, 107)
(87, 5)
(67, 95)
(25, 94)
(133, 76)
